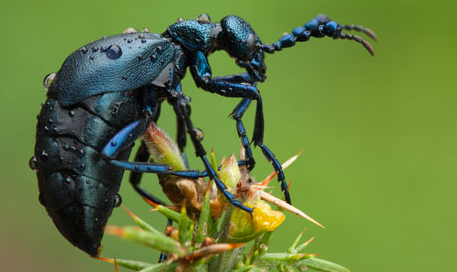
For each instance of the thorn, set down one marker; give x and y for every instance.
(286, 206)
(288, 186)
(152, 203)
(309, 241)
(291, 160)
(115, 266)
(130, 213)
(211, 250)
(105, 259)
(208, 188)
(116, 231)
(268, 179)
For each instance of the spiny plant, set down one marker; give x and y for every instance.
(211, 235)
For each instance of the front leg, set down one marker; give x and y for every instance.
(182, 107)
(224, 86)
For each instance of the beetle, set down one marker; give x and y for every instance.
(107, 93)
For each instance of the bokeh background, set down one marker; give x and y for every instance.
(380, 135)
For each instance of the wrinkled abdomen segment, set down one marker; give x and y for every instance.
(77, 186)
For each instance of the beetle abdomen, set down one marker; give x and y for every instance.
(77, 186)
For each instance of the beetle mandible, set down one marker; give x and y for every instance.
(106, 94)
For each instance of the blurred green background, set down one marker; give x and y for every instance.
(380, 134)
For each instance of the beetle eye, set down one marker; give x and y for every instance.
(251, 43)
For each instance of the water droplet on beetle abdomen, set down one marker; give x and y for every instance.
(48, 79)
(113, 52)
(83, 50)
(117, 201)
(33, 163)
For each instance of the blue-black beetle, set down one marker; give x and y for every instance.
(106, 94)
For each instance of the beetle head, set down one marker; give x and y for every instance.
(243, 44)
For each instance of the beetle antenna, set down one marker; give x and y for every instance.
(370, 33)
(358, 39)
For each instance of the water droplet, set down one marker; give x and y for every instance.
(33, 163)
(143, 41)
(130, 135)
(83, 50)
(104, 37)
(73, 148)
(147, 113)
(204, 18)
(50, 121)
(124, 77)
(113, 143)
(44, 156)
(140, 57)
(81, 152)
(96, 219)
(113, 52)
(153, 57)
(83, 166)
(71, 113)
(66, 146)
(129, 40)
(103, 49)
(146, 30)
(159, 48)
(95, 49)
(46, 129)
(117, 201)
(48, 79)
(199, 134)
(68, 180)
(141, 36)
(91, 57)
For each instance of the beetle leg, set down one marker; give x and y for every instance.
(201, 72)
(320, 27)
(181, 136)
(142, 155)
(125, 138)
(183, 109)
(238, 113)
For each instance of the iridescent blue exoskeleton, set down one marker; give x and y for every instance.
(108, 92)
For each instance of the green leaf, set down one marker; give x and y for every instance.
(281, 257)
(183, 226)
(170, 214)
(321, 265)
(133, 265)
(205, 221)
(150, 239)
(295, 243)
(141, 223)
(161, 267)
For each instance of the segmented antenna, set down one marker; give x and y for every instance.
(358, 39)
(362, 29)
